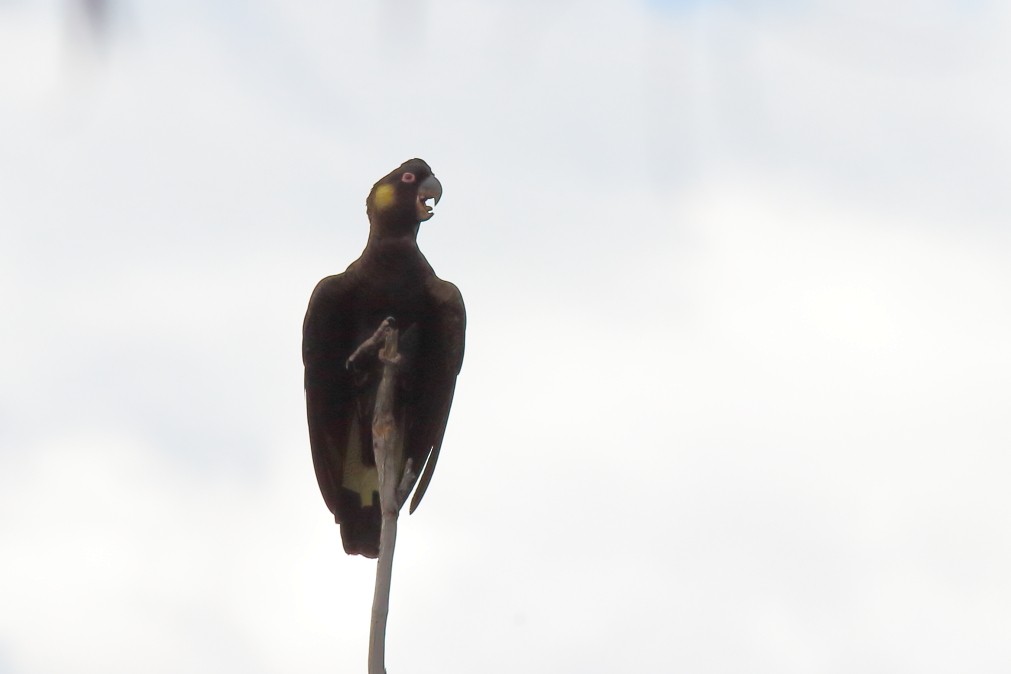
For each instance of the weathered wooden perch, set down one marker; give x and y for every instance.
(395, 481)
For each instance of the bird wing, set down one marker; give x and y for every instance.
(336, 434)
(440, 359)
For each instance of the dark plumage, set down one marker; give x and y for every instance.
(391, 278)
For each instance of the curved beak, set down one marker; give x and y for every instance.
(430, 188)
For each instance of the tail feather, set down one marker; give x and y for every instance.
(360, 525)
(360, 516)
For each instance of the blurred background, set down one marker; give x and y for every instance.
(738, 376)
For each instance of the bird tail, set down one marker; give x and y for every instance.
(360, 526)
(360, 516)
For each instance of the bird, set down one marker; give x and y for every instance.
(391, 279)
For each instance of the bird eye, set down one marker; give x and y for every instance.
(407, 178)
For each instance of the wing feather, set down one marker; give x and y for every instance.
(340, 441)
(441, 360)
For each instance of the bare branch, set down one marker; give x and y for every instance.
(389, 463)
(373, 343)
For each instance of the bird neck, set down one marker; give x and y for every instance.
(393, 249)
(382, 228)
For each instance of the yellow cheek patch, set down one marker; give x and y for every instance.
(384, 197)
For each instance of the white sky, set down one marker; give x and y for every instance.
(737, 383)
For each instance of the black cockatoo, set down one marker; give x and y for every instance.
(391, 279)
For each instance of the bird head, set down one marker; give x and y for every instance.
(402, 196)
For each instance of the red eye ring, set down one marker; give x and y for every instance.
(407, 178)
